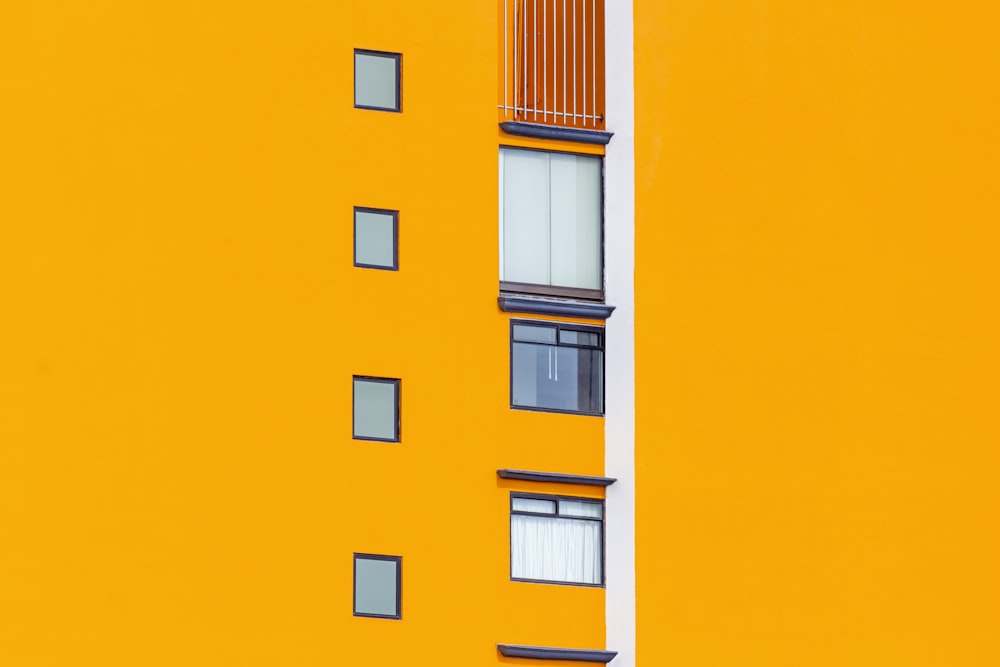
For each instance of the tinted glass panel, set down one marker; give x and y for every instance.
(375, 409)
(375, 239)
(375, 83)
(557, 378)
(375, 586)
(533, 334)
(579, 338)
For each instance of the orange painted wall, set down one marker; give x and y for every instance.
(178, 482)
(818, 339)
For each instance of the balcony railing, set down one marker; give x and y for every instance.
(553, 62)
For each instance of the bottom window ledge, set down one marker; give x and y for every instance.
(556, 477)
(562, 307)
(551, 653)
(558, 132)
(555, 582)
(555, 411)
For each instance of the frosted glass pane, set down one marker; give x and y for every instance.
(576, 221)
(374, 239)
(374, 409)
(534, 505)
(375, 81)
(524, 178)
(375, 586)
(579, 508)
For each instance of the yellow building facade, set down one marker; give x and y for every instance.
(816, 300)
(284, 375)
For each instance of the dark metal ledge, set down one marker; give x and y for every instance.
(561, 478)
(549, 653)
(523, 304)
(559, 133)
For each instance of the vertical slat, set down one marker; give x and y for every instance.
(574, 61)
(583, 58)
(545, 59)
(515, 59)
(524, 40)
(593, 54)
(565, 101)
(534, 58)
(506, 52)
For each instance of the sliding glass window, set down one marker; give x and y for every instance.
(557, 367)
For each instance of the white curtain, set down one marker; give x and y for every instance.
(555, 549)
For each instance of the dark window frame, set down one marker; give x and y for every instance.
(398, 383)
(583, 293)
(557, 498)
(395, 237)
(559, 326)
(398, 57)
(399, 585)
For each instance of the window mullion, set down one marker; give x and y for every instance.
(548, 159)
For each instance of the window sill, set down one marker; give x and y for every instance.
(365, 107)
(551, 653)
(559, 307)
(555, 411)
(556, 477)
(557, 132)
(552, 582)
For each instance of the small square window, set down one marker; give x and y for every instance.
(377, 586)
(556, 367)
(376, 409)
(375, 238)
(376, 80)
(554, 539)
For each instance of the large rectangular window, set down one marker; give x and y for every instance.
(550, 221)
(556, 539)
(557, 367)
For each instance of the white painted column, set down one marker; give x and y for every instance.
(619, 226)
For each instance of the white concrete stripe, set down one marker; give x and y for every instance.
(619, 230)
